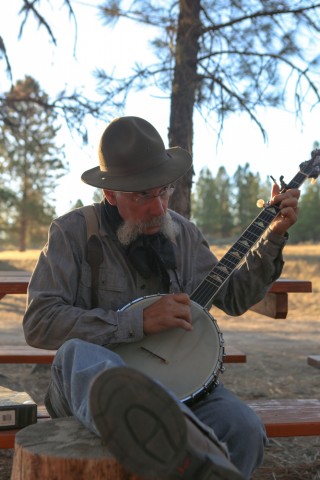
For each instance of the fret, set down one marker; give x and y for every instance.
(231, 259)
(298, 180)
(250, 235)
(222, 268)
(220, 273)
(215, 280)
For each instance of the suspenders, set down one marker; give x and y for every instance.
(94, 252)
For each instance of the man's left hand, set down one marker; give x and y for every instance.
(289, 210)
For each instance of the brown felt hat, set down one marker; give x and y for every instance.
(133, 157)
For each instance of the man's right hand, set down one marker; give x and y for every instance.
(170, 311)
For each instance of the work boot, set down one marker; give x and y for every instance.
(147, 432)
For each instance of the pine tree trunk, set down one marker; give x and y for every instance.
(183, 96)
(23, 235)
(63, 449)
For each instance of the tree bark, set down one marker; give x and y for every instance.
(183, 96)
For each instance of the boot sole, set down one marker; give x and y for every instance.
(144, 428)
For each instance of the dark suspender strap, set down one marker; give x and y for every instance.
(94, 258)
(94, 253)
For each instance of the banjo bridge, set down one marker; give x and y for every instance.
(163, 360)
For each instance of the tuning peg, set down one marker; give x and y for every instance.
(274, 180)
(260, 203)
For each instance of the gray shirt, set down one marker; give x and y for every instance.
(59, 293)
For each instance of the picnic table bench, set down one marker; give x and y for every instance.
(275, 304)
(281, 417)
(13, 282)
(314, 361)
(26, 354)
(287, 417)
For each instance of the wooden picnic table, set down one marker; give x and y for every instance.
(13, 281)
(275, 303)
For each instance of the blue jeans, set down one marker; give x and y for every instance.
(78, 362)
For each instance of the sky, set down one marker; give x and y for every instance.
(289, 142)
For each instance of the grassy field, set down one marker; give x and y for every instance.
(13, 259)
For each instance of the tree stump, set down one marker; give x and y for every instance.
(63, 449)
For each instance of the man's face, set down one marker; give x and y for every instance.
(146, 208)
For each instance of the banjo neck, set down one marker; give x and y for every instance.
(209, 287)
(221, 272)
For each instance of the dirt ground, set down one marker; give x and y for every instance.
(276, 367)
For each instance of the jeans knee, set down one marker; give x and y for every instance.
(71, 345)
(249, 441)
(76, 350)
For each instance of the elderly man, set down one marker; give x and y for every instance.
(140, 249)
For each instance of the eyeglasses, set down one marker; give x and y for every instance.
(144, 197)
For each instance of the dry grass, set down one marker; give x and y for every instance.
(276, 352)
(13, 259)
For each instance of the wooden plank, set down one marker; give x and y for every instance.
(27, 354)
(276, 302)
(274, 305)
(13, 287)
(14, 273)
(314, 361)
(7, 438)
(282, 418)
(289, 417)
(14, 282)
(290, 285)
(233, 355)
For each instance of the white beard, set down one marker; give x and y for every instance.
(128, 232)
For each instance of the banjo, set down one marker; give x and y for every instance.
(189, 362)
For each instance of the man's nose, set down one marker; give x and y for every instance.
(158, 206)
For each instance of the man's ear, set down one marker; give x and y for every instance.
(110, 197)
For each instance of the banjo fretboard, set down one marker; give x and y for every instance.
(220, 273)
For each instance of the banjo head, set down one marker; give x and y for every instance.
(186, 362)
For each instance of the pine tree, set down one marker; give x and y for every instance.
(247, 189)
(223, 185)
(31, 162)
(307, 228)
(211, 208)
(204, 207)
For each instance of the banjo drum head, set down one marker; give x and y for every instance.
(186, 362)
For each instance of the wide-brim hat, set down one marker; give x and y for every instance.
(133, 157)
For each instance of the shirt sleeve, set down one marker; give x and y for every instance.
(55, 312)
(253, 278)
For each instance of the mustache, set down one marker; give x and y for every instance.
(155, 222)
(128, 232)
